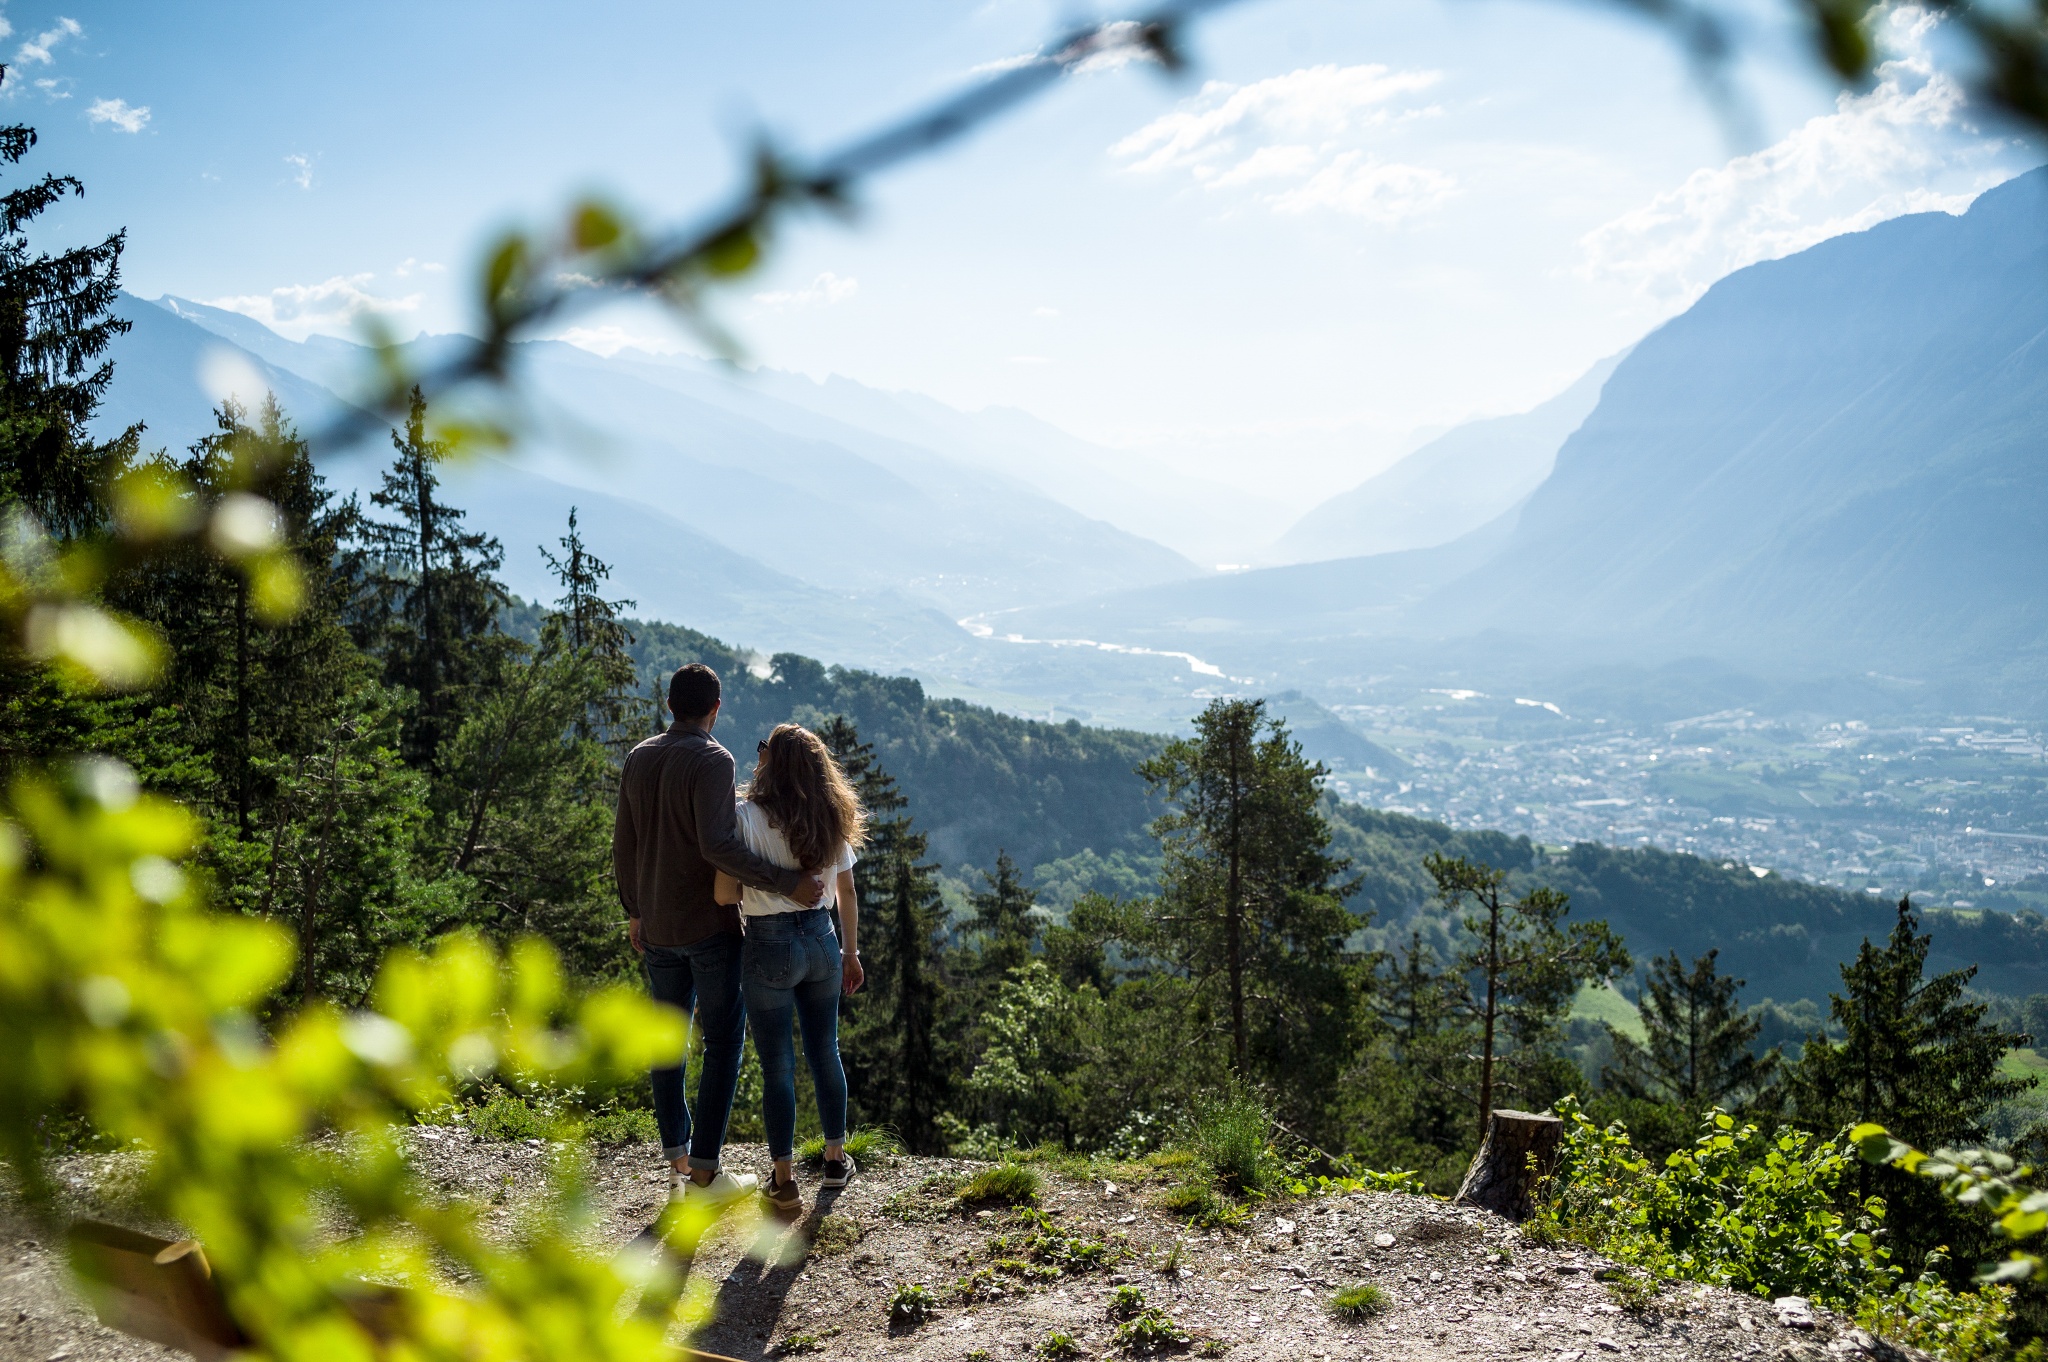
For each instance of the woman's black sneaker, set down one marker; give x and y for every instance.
(838, 1172)
(783, 1196)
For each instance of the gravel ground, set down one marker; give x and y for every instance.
(1458, 1283)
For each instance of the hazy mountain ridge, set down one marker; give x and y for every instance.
(1458, 482)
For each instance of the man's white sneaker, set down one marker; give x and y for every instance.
(722, 1188)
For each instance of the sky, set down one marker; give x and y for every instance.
(1349, 226)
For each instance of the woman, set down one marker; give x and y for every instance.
(799, 812)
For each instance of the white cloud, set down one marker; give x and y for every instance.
(608, 340)
(1904, 146)
(825, 290)
(1296, 141)
(1047, 312)
(302, 169)
(299, 310)
(124, 116)
(37, 50)
(410, 266)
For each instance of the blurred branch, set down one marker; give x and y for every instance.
(527, 284)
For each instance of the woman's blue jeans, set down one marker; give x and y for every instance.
(791, 965)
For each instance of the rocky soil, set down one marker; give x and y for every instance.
(1458, 1283)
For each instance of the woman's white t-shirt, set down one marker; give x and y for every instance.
(766, 841)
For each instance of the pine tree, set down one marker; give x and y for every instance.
(1699, 1051)
(1251, 902)
(1915, 1054)
(56, 321)
(593, 624)
(1003, 927)
(431, 597)
(897, 1071)
(1517, 973)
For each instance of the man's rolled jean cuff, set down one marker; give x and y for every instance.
(674, 1152)
(707, 1165)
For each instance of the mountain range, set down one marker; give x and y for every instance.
(1830, 463)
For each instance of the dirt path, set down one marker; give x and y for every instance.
(1459, 1284)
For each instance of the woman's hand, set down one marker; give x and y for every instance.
(851, 974)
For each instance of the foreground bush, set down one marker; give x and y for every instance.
(1758, 1213)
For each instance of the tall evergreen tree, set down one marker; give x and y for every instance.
(56, 321)
(593, 624)
(1251, 902)
(1700, 1048)
(431, 594)
(1915, 1054)
(897, 1063)
(1003, 926)
(1516, 974)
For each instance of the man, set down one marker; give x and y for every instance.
(676, 828)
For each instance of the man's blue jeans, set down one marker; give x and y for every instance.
(706, 974)
(792, 966)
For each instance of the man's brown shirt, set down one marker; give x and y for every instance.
(675, 828)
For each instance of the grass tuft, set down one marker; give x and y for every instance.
(1359, 1302)
(836, 1234)
(870, 1148)
(1057, 1345)
(1006, 1184)
(1148, 1331)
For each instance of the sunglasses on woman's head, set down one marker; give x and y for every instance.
(761, 748)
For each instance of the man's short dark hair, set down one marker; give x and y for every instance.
(693, 691)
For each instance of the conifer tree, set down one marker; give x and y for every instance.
(431, 595)
(1699, 1051)
(896, 1062)
(1915, 1054)
(1517, 972)
(1003, 927)
(1251, 906)
(56, 321)
(593, 624)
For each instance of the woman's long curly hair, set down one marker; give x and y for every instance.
(798, 784)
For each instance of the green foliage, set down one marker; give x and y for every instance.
(1149, 1331)
(1232, 1132)
(1204, 1207)
(870, 1148)
(1058, 1345)
(836, 1234)
(1125, 1302)
(1699, 1050)
(911, 1305)
(1042, 1241)
(1250, 910)
(1758, 1213)
(1004, 1184)
(1357, 1302)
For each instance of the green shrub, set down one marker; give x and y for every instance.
(1759, 1213)
(622, 1125)
(1359, 1302)
(1006, 1184)
(509, 1116)
(912, 1305)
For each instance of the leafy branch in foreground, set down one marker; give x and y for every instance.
(1994, 1182)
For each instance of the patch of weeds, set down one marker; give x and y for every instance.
(621, 1125)
(1230, 1130)
(1169, 1266)
(1056, 1345)
(836, 1234)
(1212, 1347)
(930, 1200)
(1006, 1184)
(1045, 1242)
(1126, 1302)
(1030, 1272)
(1149, 1331)
(1634, 1291)
(508, 1116)
(976, 1355)
(1174, 1160)
(1202, 1206)
(870, 1148)
(912, 1305)
(1359, 1302)
(798, 1344)
(1542, 1230)
(983, 1284)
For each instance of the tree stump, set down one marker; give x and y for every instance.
(1519, 1151)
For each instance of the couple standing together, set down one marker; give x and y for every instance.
(742, 909)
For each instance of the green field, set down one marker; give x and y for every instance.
(1602, 1003)
(2024, 1064)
